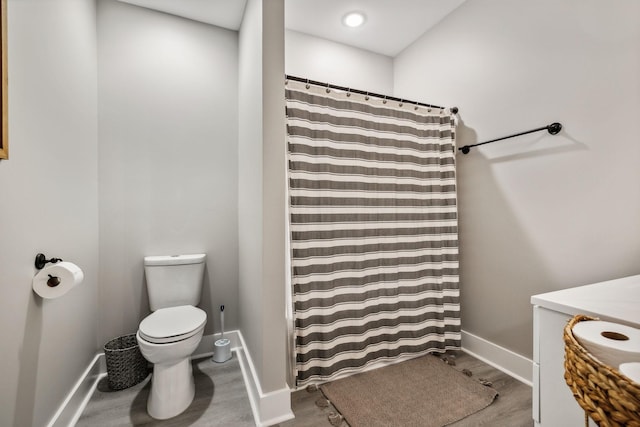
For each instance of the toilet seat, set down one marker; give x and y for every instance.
(172, 324)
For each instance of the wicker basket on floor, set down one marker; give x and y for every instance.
(607, 397)
(126, 366)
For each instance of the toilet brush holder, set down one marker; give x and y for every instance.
(222, 350)
(222, 347)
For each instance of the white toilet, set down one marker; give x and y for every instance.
(169, 335)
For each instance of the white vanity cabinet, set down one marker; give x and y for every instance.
(614, 300)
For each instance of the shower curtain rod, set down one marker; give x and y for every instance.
(553, 129)
(454, 110)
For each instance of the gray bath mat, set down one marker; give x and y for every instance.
(423, 392)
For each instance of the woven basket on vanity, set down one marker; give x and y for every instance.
(607, 397)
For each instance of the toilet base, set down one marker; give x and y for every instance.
(172, 389)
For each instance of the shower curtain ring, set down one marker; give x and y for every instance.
(384, 100)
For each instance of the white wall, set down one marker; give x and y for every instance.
(168, 157)
(262, 181)
(330, 62)
(48, 203)
(540, 212)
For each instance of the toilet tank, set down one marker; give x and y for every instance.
(174, 280)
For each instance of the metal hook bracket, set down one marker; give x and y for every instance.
(42, 260)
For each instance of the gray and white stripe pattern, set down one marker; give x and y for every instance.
(374, 236)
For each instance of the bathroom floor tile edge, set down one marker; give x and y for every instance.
(274, 407)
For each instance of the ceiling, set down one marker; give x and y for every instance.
(391, 25)
(221, 13)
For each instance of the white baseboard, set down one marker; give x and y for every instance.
(512, 364)
(69, 412)
(268, 408)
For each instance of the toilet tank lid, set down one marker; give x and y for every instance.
(175, 259)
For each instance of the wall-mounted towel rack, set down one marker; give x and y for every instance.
(553, 129)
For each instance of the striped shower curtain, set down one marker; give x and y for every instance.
(373, 227)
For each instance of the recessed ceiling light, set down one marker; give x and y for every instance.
(353, 19)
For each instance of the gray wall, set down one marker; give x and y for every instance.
(540, 212)
(168, 157)
(326, 61)
(274, 328)
(261, 190)
(48, 203)
(250, 172)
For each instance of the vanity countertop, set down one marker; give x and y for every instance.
(613, 300)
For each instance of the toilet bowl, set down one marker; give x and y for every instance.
(167, 338)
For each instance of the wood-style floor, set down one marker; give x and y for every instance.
(222, 400)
